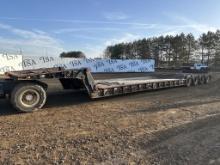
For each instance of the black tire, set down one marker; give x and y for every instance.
(207, 79)
(28, 97)
(196, 81)
(202, 80)
(189, 81)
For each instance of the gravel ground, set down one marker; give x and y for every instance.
(172, 126)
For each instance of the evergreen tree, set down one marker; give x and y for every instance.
(170, 50)
(191, 46)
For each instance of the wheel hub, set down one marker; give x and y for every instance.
(29, 98)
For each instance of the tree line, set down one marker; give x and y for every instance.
(171, 50)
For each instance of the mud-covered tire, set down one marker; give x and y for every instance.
(207, 79)
(189, 81)
(195, 81)
(28, 97)
(202, 80)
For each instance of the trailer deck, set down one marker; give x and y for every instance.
(113, 87)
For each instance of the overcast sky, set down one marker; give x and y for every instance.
(48, 27)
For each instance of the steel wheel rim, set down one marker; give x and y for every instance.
(189, 82)
(29, 98)
(207, 80)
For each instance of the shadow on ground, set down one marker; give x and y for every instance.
(55, 99)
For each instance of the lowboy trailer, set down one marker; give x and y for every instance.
(27, 90)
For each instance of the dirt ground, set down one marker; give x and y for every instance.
(172, 126)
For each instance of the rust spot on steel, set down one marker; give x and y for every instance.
(4, 77)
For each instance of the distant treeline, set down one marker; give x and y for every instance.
(171, 50)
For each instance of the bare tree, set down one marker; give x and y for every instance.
(73, 54)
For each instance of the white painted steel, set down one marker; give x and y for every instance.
(18, 62)
(10, 63)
